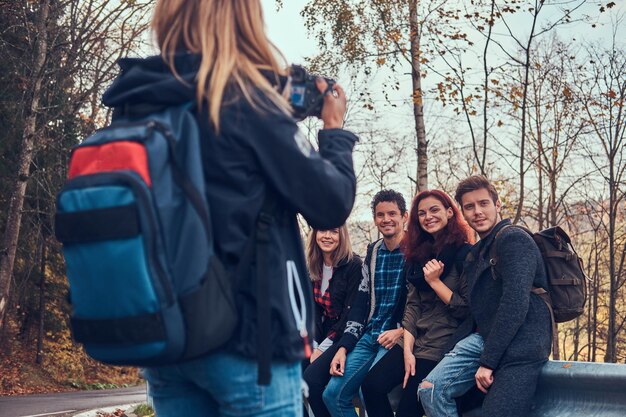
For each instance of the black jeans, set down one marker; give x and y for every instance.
(317, 375)
(385, 376)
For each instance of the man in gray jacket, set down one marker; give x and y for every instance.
(509, 339)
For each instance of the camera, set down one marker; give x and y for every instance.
(305, 98)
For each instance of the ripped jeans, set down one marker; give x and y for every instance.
(452, 377)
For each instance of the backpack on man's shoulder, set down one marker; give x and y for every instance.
(146, 286)
(567, 281)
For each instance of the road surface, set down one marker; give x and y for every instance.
(68, 403)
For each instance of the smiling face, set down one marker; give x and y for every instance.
(389, 220)
(480, 211)
(433, 216)
(327, 240)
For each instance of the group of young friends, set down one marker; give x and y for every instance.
(425, 310)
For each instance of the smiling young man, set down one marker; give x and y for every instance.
(373, 325)
(510, 337)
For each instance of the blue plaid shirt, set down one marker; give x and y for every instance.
(388, 284)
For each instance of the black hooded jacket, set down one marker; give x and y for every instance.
(256, 152)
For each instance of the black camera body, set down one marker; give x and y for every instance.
(305, 98)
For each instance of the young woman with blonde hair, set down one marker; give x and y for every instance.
(217, 60)
(336, 274)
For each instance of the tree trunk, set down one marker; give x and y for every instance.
(594, 308)
(418, 100)
(611, 340)
(42, 299)
(14, 215)
(576, 339)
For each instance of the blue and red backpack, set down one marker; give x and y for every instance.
(146, 286)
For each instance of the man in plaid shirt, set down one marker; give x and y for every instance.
(373, 324)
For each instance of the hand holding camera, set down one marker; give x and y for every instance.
(334, 106)
(317, 96)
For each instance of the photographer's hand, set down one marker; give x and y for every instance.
(334, 108)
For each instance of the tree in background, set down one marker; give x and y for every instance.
(58, 56)
(601, 89)
(382, 33)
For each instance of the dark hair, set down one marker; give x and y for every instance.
(418, 245)
(473, 183)
(389, 196)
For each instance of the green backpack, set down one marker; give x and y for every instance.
(567, 282)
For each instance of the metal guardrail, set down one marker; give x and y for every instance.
(578, 389)
(567, 389)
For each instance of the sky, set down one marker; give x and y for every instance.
(287, 30)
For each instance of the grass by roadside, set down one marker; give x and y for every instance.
(141, 410)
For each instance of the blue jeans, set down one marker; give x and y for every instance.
(224, 384)
(341, 390)
(452, 377)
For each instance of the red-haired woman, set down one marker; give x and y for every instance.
(435, 245)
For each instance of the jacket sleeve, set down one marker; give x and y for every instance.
(353, 277)
(412, 311)
(517, 274)
(357, 316)
(319, 185)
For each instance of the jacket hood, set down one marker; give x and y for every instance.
(149, 80)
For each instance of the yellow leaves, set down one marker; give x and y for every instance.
(394, 36)
(516, 92)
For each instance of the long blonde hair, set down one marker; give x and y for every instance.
(229, 36)
(315, 257)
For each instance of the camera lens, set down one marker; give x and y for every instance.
(297, 74)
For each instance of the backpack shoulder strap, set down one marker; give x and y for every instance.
(493, 255)
(265, 220)
(538, 291)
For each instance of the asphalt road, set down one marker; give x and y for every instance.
(68, 403)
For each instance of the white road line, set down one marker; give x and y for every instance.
(49, 414)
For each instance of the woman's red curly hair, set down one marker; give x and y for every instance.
(419, 246)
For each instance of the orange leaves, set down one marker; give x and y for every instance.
(567, 93)
(418, 98)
